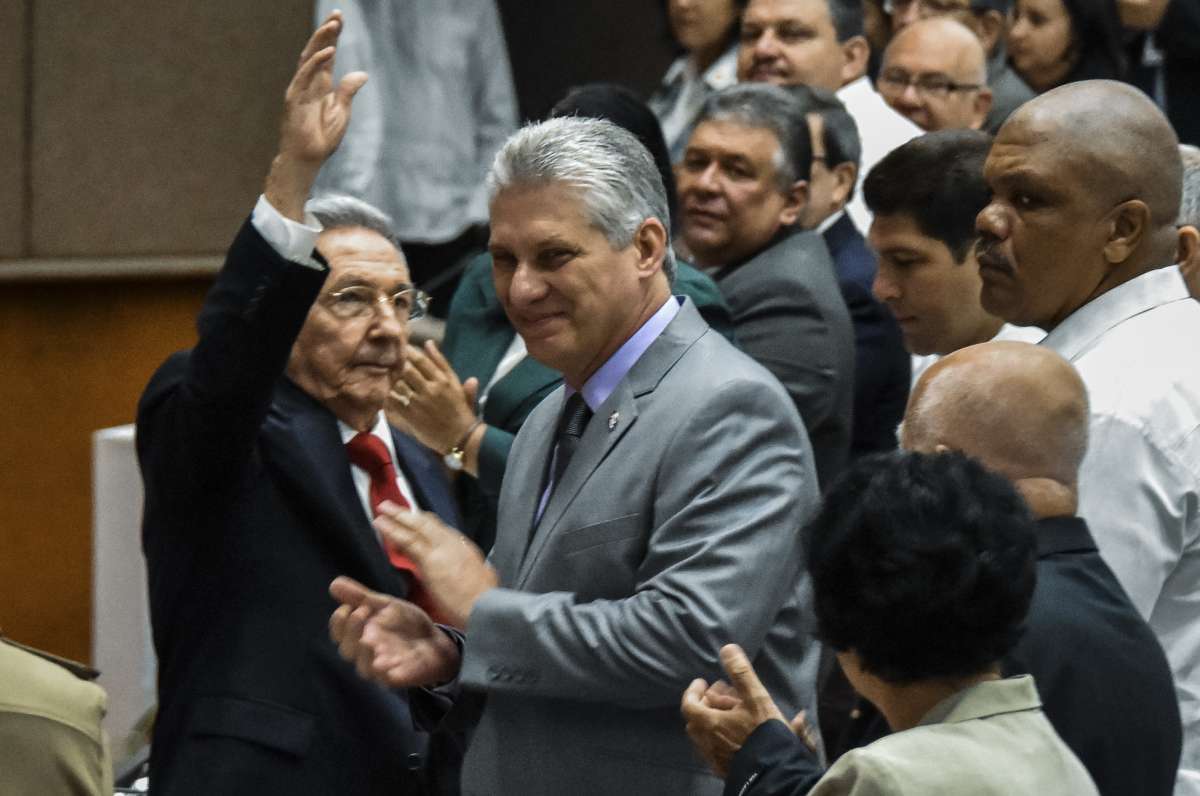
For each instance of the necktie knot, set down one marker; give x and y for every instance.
(368, 452)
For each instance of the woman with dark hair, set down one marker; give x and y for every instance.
(923, 568)
(1052, 42)
(707, 31)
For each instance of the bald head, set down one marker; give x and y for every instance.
(1020, 409)
(1116, 134)
(938, 49)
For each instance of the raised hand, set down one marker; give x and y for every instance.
(718, 718)
(315, 116)
(453, 570)
(389, 640)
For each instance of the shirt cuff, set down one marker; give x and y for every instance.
(293, 241)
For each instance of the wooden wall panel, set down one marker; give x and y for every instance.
(153, 122)
(73, 358)
(13, 80)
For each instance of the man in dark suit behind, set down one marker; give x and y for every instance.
(742, 187)
(882, 365)
(252, 504)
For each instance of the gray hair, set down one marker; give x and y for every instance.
(1189, 206)
(771, 108)
(338, 211)
(617, 180)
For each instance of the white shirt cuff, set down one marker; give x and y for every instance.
(291, 240)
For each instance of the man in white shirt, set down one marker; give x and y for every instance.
(820, 43)
(1079, 239)
(925, 196)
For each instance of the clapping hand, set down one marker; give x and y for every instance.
(389, 640)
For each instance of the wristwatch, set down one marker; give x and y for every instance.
(454, 457)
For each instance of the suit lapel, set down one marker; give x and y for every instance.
(597, 442)
(306, 448)
(426, 478)
(522, 491)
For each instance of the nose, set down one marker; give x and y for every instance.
(908, 96)
(766, 45)
(992, 222)
(525, 286)
(388, 321)
(884, 286)
(1019, 28)
(706, 180)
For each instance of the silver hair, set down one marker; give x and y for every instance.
(1189, 206)
(767, 107)
(338, 211)
(617, 180)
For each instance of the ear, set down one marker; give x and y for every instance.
(983, 105)
(857, 52)
(1189, 258)
(989, 27)
(650, 241)
(845, 174)
(1127, 225)
(796, 198)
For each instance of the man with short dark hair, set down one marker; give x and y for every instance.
(265, 452)
(820, 43)
(1080, 239)
(925, 196)
(989, 20)
(933, 73)
(881, 363)
(742, 188)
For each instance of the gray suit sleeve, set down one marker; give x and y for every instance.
(730, 489)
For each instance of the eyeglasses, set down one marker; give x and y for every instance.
(925, 8)
(359, 301)
(895, 81)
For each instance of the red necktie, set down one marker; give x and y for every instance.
(368, 452)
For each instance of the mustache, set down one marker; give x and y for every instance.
(988, 253)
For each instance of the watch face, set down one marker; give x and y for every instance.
(453, 460)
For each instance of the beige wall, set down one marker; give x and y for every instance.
(150, 126)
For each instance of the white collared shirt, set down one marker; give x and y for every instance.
(1137, 348)
(880, 129)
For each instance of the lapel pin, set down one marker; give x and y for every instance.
(612, 420)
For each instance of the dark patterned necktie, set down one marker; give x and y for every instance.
(571, 425)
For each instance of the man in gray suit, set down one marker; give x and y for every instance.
(743, 186)
(650, 510)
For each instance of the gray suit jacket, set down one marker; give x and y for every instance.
(789, 315)
(674, 530)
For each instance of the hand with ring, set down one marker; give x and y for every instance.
(430, 402)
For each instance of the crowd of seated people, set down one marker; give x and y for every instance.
(855, 368)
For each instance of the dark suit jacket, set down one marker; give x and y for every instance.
(1104, 679)
(789, 315)
(477, 335)
(250, 512)
(1102, 675)
(882, 365)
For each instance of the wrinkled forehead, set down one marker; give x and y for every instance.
(782, 12)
